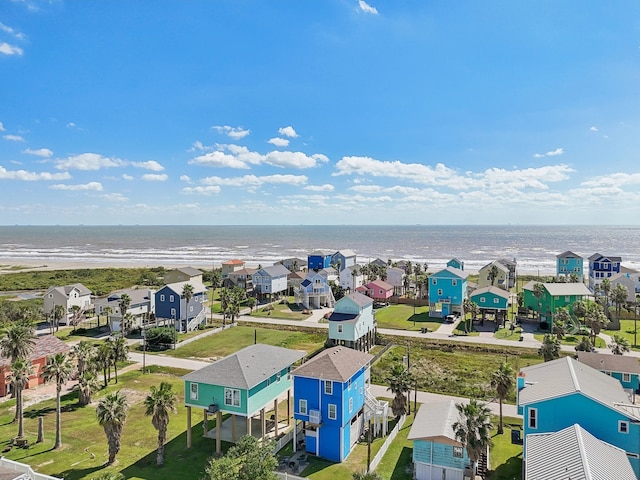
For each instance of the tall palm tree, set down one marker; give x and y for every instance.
(605, 287)
(502, 382)
(473, 430)
(561, 319)
(550, 348)
(124, 303)
(596, 319)
(58, 314)
(251, 303)
(400, 385)
(108, 311)
(159, 404)
(619, 345)
(88, 383)
(493, 274)
(112, 413)
(59, 368)
(538, 292)
(119, 353)
(84, 352)
(187, 294)
(619, 297)
(19, 340)
(21, 371)
(76, 316)
(103, 359)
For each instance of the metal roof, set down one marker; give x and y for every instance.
(337, 364)
(434, 421)
(573, 453)
(247, 367)
(178, 287)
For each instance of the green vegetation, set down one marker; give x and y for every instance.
(286, 309)
(573, 340)
(508, 334)
(627, 327)
(506, 457)
(402, 317)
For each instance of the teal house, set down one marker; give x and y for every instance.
(437, 454)
(568, 263)
(245, 384)
(625, 369)
(447, 292)
(352, 323)
(555, 395)
(491, 300)
(555, 295)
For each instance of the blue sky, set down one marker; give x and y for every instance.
(319, 112)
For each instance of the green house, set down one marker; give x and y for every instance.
(245, 384)
(555, 295)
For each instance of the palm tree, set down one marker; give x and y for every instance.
(595, 319)
(112, 415)
(473, 430)
(76, 316)
(605, 288)
(84, 352)
(127, 323)
(103, 359)
(585, 345)
(108, 311)
(58, 313)
(493, 274)
(619, 297)
(561, 319)
(187, 294)
(19, 340)
(251, 303)
(59, 368)
(573, 278)
(502, 381)
(123, 304)
(538, 292)
(550, 348)
(119, 353)
(159, 404)
(87, 384)
(21, 371)
(619, 345)
(400, 385)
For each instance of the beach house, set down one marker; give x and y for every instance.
(492, 301)
(333, 400)
(245, 384)
(352, 324)
(351, 278)
(173, 307)
(67, 296)
(270, 281)
(319, 259)
(343, 259)
(495, 274)
(601, 267)
(141, 308)
(447, 292)
(184, 274)
(378, 290)
(554, 296)
(314, 291)
(568, 263)
(230, 266)
(623, 368)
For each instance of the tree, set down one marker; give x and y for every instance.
(21, 371)
(605, 288)
(187, 294)
(573, 278)
(119, 353)
(619, 297)
(584, 345)
(580, 309)
(502, 382)
(493, 274)
(112, 415)
(538, 292)
(59, 369)
(366, 476)
(123, 304)
(88, 383)
(77, 315)
(251, 303)
(85, 353)
(127, 323)
(619, 345)
(473, 430)
(19, 340)
(249, 459)
(595, 319)
(58, 314)
(108, 311)
(399, 384)
(561, 319)
(159, 404)
(550, 348)
(103, 359)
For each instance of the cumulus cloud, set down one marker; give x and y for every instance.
(114, 197)
(149, 165)
(240, 157)
(95, 186)
(8, 49)
(256, 181)
(154, 177)
(127, 177)
(553, 153)
(185, 178)
(208, 190)
(233, 132)
(1, 127)
(278, 142)
(13, 138)
(31, 176)
(40, 152)
(614, 179)
(288, 132)
(366, 8)
(414, 172)
(88, 161)
(593, 129)
(327, 187)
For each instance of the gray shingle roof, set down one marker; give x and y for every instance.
(247, 367)
(435, 421)
(338, 364)
(573, 453)
(568, 254)
(276, 270)
(45, 346)
(357, 298)
(610, 363)
(492, 289)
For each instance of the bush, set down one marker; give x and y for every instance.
(160, 336)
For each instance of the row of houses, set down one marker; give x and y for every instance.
(600, 267)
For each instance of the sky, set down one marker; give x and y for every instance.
(315, 112)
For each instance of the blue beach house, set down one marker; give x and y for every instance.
(447, 291)
(269, 281)
(437, 454)
(314, 291)
(558, 394)
(333, 402)
(352, 323)
(601, 267)
(456, 263)
(568, 263)
(172, 306)
(319, 259)
(625, 369)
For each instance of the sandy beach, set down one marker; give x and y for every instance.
(13, 266)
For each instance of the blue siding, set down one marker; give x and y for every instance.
(440, 454)
(633, 383)
(318, 262)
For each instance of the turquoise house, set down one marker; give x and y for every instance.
(555, 395)
(437, 454)
(555, 296)
(568, 263)
(625, 369)
(492, 300)
(352, 323)
(447, 292)
(245, 384)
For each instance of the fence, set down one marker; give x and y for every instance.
(282, 441)
(385, 446)
(24, 469)
(289, 476)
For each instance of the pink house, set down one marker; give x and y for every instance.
(378, 290)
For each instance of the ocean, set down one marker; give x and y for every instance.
(534, 247)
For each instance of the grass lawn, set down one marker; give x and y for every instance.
(626, 331)
(508, 334)
(505, 457)
(459, 330)
(287, 311)
(401, 317)
(84, 450)
(233, 339)
(573, 340)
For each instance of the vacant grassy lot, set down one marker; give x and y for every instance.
(402, 317)
(286, 310)
(627, 327)
(233, 339)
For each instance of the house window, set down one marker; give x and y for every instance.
(339, 328)
(457, 452)
(328, 387)
(278, 377)
(496, 300)
(51, 295)
(482, 299)
(173, 312)
(232, 397)
(333, 411)
(567, 298)
(623, 426)
(193, 391)
(302, 407)
(171, 298)
(626, 377)
(162, 298)
(351, 405)
(533, 418)
(439, 291)
(434, 281)
(454, 282)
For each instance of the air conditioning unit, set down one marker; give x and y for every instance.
(213, 408)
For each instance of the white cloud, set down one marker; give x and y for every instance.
(256, 181)
(278, 142)
(1, 127)
(327, 187)
(114, 197)
(538, 155)
(294, 159)
(71, 125)
(7, 49)
(615, 179)
(556, 152)
(149, 165)
(185, 178)
(31, 176)
(414, 172)
(13, 138)
(366, 8)
(209, 190)
(127, 177)
(288, 132)
(234, 132)
(40, 152)
(240, 157)
(593, 129)
(88, 161)
(197, 146)
(94, 186)
(218, 159)
(154, 177)
(11, 31)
